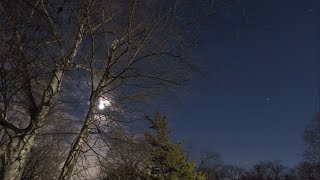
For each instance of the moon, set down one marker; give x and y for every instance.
(103, 103)
(101, 106)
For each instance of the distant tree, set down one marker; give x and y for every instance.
(309, 168)
(168, 160)
(270, 170)
(312, 141)
(211, 165)
(308, 171)
(291, 174)
(230, 172)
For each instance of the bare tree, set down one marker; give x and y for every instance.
(308, 171)
(269, 170)
(309, 168)
(36, 52)
(230, 172)
(82, 53)
(312, 141)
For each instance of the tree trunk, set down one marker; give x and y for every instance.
(18, 151)
(19, 148)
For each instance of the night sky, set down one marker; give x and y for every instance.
(258, 83)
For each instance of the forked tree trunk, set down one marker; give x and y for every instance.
(19, 148)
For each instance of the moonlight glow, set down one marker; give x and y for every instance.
(103, 103)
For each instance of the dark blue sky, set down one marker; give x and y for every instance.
(257, 88)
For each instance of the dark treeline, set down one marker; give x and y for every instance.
(308, 169)
(214, 169)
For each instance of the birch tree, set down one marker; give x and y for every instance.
(38, 46)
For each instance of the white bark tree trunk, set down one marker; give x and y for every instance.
(19, 148)
(18, 151)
